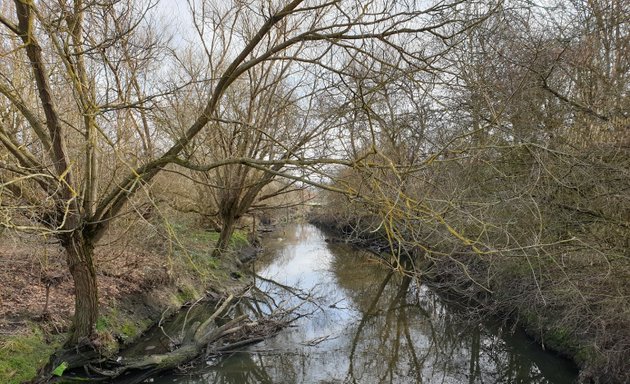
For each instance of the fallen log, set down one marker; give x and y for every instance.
(191, 348)
(216, 335)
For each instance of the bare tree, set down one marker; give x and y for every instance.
(66, 124)
(265, 116)
(57, 161)
(519, 190)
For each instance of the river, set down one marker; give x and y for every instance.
(368, 325)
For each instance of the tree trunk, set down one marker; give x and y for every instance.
(79, 254)
(227, 229)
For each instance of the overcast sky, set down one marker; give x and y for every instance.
(175, 18)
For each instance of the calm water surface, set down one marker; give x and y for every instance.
(371, 326)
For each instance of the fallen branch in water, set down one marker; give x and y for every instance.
(203, 335)
(220, 333)
(224, 330)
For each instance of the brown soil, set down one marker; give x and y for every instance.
(27, 266)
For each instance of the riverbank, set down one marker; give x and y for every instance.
(141, 281)
(367, 324)
(565, 311)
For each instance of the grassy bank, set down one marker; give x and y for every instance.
(22, 354)
(150, 274)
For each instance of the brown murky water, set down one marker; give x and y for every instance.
(368, 325)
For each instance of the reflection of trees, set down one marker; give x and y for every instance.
(390, 333)
(519, 360)
(282, 246)
(409, 335)
(395, 337)
(405, 334)
(241, 369)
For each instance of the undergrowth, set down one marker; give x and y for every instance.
(22, 355)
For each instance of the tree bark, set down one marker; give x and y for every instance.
(227, 229)
(80, 259)
(79, 246)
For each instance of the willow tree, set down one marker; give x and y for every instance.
(76, 120)
(268, 116)
(78, 102)
(262, 120)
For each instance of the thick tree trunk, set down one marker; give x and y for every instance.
(227, 229)
(80, 252)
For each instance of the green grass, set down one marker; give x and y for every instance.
(239, 239)
(202, 240)
(195, 247)
(22, 355)
(129, 330)
(187, 293)
(102, 323)
(115, 327)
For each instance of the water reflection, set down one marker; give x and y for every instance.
(370, 325)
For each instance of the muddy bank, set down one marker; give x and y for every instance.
(141, 280)
(174, 325)
(125, 324)
(203, 330)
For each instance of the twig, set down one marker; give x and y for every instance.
(183, 331)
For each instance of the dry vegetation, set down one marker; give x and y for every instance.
(533, 235)
(145, 267)
(488, 138)
(514, 191)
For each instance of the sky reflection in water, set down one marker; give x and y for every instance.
(372, 326)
